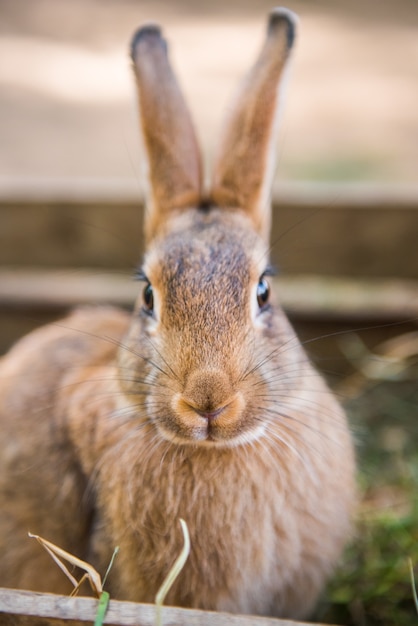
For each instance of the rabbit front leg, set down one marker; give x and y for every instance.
(43, 488)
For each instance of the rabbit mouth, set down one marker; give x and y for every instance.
(222, 425)
(210, 415)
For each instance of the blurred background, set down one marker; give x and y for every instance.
(67, 101)
(345, 227)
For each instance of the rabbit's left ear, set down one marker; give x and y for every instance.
(244, 169)
(171, 150)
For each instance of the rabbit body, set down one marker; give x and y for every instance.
(202, 405)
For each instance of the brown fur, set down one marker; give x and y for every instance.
(205, 408)
(174, 165)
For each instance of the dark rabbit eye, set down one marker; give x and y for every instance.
(263, 293)
(148, 297)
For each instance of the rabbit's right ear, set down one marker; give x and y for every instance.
(244, 169)
(171, 149)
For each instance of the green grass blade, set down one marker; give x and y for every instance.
(102, 608)
(414, 589)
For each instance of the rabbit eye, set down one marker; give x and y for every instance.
(263, 293)
(148, 298)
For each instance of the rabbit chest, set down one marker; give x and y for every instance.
(256, 517)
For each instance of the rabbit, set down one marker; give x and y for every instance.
(202, 404)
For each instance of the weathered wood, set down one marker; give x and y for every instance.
(63, 289)
(302, 296)
(359, 231)
(128, 191)
(16, 607)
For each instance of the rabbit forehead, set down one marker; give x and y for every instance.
(204, 246)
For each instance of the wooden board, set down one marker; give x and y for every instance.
(18, 608)
(353, 231)
(309, 296)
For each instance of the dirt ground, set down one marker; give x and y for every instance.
(67, 105)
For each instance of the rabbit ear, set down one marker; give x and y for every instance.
(174, 165)
(244, 169)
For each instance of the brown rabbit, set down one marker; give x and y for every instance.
(201, 405)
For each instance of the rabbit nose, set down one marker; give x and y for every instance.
(208, 392)
(208, 407)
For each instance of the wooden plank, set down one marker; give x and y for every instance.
(63, 289)
(306, 296)
(61, 234)
(129, 191)
(358, 231)
(17, 606)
